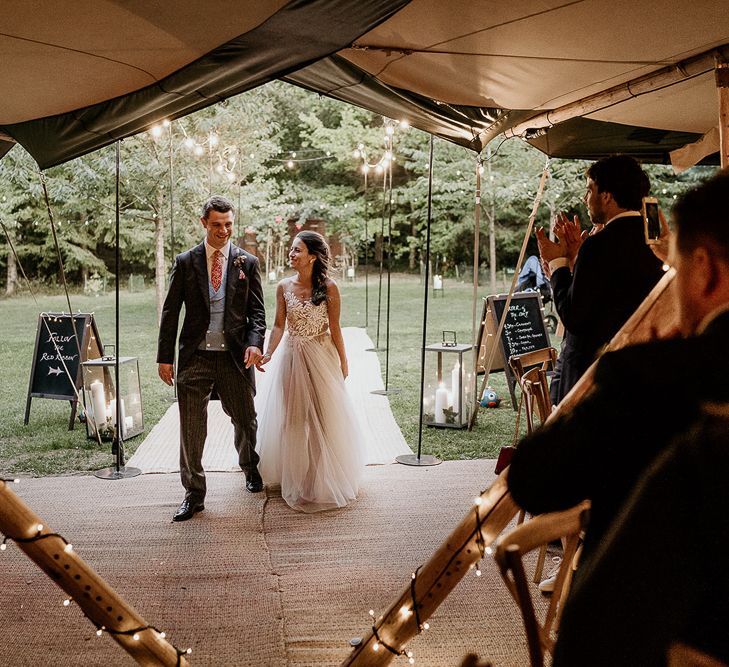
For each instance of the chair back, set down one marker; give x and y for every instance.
(534, 382)
(509, 552)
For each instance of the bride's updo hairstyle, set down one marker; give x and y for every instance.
(317, 246)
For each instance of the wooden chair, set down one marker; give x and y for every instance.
(534, 383)
(534, 386)
(509, 551)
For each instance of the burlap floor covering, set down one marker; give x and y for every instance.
(292, 595)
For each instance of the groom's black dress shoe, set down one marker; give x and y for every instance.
(254, 483)
(187, 509)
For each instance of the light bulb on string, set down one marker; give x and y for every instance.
(220, 168)
(199, 150)
(389, 130)
(404, 125)
(230, 176)
(166, 122)
(357, 154)
(213, 139)
(188, 143)
(290, 164)
(156, 131)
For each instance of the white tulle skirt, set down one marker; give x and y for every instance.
(308, 438)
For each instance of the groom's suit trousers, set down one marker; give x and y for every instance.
(205, 372)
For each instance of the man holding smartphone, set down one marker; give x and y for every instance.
(599, 280)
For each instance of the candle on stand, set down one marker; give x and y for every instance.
(441, 403)
(456, 387)
(98, 402)
(128, 425)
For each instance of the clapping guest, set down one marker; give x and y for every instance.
(598, 280)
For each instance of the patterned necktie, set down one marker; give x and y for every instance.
(216, 274)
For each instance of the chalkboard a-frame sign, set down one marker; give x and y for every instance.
(56, 369)
(524, 331)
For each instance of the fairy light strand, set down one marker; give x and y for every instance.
(482, 549)
(68, 548)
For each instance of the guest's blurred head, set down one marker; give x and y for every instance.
(701, 251)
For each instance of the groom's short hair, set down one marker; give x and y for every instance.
(217, 203)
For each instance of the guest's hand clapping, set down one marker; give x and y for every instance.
(571, 235)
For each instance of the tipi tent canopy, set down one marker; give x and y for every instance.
(79, 75)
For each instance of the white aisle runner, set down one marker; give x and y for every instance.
(383, 440)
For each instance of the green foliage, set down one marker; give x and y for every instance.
(280, 153)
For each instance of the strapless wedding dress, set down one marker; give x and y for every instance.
(308, 437)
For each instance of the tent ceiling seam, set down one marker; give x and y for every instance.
(85, 53)
(492, 27)
(428, 50)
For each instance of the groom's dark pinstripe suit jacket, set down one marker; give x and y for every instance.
(245, 315)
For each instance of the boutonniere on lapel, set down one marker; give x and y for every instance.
(238, 263)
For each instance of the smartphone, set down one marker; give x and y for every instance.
(651, 221)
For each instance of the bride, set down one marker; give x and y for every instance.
(308, 438)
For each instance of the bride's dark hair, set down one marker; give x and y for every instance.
(317, 246)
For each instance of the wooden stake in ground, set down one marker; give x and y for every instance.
(101, 604)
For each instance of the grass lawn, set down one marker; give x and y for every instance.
(46, 447)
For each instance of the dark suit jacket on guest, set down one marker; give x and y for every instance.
(245, 315)
(614, 272)
(661, 574)
(644, 395)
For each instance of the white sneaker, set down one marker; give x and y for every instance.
(547, 585)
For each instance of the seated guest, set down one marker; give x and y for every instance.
(660, 574)
(646, 394)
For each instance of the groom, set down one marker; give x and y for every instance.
(220, 342)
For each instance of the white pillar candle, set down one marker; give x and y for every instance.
(456, 387)
(437, 282)
(441, 403)
(98, 402)
(128, 425)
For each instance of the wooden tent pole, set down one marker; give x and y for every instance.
(667, 76)
(495, 508)
(722, 86)
(432, 583)
(476, 247)
(101, 604)
(492, 352)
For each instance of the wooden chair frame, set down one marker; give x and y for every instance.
(535, 394)
(512, 547)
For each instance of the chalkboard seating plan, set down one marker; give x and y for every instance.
(524, 331)
(62, 343)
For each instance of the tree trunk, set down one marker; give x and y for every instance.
(413, 248)
(378, 247)
(12, 274)
(160, 270)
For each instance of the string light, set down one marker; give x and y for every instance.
(135, 633)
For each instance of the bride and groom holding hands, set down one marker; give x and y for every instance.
(305, 438)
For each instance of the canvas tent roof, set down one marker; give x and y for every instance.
(78, 75)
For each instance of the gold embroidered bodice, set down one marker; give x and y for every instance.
(305, 319)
